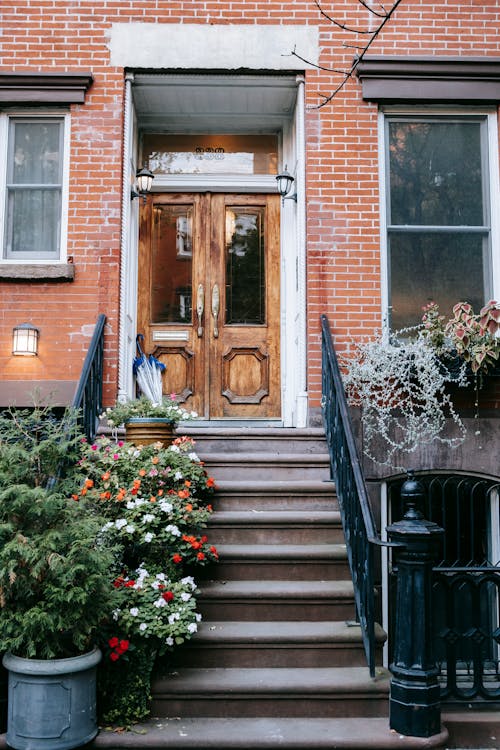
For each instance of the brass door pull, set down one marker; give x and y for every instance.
(200, 307)
(215, 309)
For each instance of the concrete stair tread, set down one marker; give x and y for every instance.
(282, 551)
(267, 457)
(280, 632)
(276, 517)
(287, 433)
(264, 734)
(273, 680)
(260, 486)
(273, 589)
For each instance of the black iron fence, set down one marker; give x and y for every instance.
(466, 583)
(88, 396)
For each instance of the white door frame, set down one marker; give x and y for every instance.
(293, 265)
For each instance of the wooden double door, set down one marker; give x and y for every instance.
(208, 300)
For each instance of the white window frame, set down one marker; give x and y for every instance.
(29, 114)
(493, 184)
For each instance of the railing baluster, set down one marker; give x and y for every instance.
(88, 396)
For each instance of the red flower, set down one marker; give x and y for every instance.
(168, 596)
(122, 647)
(210, 482)
(129, 584)
(114, 656)
(200, 556)
(113, 642)
(176, 558)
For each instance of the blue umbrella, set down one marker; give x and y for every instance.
(148, 370)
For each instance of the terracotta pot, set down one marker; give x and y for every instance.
(147, 430)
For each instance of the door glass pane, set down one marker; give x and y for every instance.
(435, 173)
(172, 264)
(442, 268)
(245, 264)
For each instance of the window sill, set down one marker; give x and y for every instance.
(37, 272)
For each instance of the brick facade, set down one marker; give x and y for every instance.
(343, 229)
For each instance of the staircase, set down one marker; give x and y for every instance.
(278, 660)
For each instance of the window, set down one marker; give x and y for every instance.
(35, 188)
(437, 214)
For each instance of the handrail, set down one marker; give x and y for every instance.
(357, 518)
(88, 396)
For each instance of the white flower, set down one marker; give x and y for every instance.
(142, 627)
(120, 523)
(161, 577)
(194, 414)
(165, 507)
(160, 603)
(174, 448)
(148, 517)
(148, 537)
(130, 505)
(107, 525)
(192, 627)
(197, 616)
(189, 581)
(193, 456)
(130, 529)
(185, 596)
(173, 618)
(116, 614)
(172, 529)
(178, 475)
(134, 611)
(169, 641)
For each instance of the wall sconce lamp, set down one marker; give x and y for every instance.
(144, 180)
(285, 182)
(25, 340)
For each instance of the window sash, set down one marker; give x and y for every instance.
(33, 219)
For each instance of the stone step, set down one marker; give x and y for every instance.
(259, 494)
(277, 600)
(283, 561)
(267, 466)
(360, 733)
(255, 439)
(275, 644)
(276, 527)
(306, 692)
(469, 727)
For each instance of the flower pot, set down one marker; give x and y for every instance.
(52, 703)
(146, 430)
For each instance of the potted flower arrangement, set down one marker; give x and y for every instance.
(146, 421)
(54, 586)
(157, 503)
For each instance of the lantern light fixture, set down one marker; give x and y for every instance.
(25, 340)
(144, 181)
(285, 182)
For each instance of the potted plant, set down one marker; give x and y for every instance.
(54, 586)
(146, 421)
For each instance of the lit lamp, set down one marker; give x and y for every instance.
(285, 182)
(144, 180)
(25, 340)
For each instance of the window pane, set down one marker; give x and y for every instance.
(245, 283)
(36, 153)
(444, 268)
(171, 270)
(33, 229)
(210, 154)
(435, 173)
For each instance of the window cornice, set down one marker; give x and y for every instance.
(44, 88)
(430, 79)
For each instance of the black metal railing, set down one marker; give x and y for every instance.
(466, 584)
(357, 518)
(88, 396)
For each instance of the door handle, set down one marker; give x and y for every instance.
(215, 309)
(200, 307)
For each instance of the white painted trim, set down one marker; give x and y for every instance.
(384, 270)
(494, 174)
(4, 129)
(293, 257)
(191, 46)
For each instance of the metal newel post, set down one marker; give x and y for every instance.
(415, 707)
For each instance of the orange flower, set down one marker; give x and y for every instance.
(121, 494)
(187, 483)
(152, 499)
(183, 494)
(155, 460)
(210, 482)
(214, 552)
(89, 483)
(142, 472)
(105, 495)
(189, 507)
(176, 558)
(105, 476)
(75, 497)
(160, 493)
(200, 556)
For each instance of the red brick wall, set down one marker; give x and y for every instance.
(343, 255)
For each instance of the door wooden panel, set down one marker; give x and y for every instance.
(208, 300)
